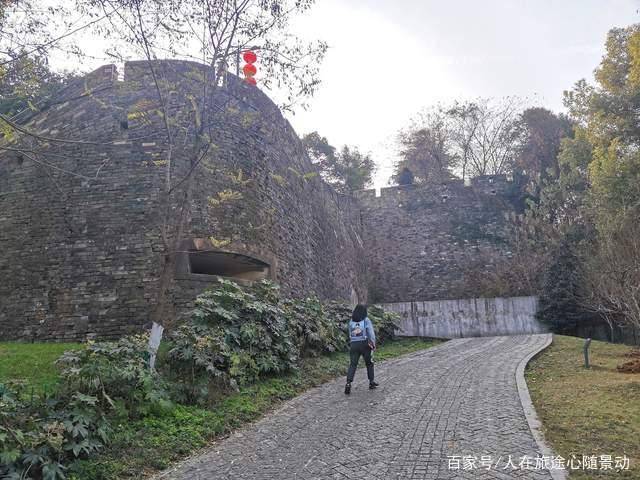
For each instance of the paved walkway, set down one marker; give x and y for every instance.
(432, 409)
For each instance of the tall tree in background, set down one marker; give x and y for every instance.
(541, 132)
(466, 139)
(564, 200)
(426, 149)
(597, 191)
(27, 82)
(486, 135)
(321, 153)
(606, 116)
(354, 170)
(538, 135)
(608, 142)
(346, 170)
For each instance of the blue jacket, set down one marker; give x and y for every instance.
(361, 331)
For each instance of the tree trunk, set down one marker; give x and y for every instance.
(163, 312)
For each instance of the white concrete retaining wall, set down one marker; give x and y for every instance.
(473, 317)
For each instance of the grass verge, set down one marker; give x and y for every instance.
(592, 411)
(139, 449)
(32, 364)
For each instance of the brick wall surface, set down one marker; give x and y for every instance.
(80, 219)
(80, 254)
(422, 242)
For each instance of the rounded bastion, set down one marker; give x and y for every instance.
(82, 214)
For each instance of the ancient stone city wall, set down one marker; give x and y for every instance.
(427, 242)
(81, 221)
(80, 252)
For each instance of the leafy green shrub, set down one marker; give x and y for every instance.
(38, 439)
(99, 383)
(384, 323)
(340, 313)
(197, 363)
(117, 374)
(236, 336)
(314, 330)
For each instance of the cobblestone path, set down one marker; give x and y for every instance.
(457, 399)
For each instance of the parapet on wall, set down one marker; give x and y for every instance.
(424, 242)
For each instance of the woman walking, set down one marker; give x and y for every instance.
(363, 342)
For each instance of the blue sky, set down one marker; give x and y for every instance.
(388, 59)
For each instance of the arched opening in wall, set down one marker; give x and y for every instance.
(228, 264)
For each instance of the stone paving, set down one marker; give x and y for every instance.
(457, 399)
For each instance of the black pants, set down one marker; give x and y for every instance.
(357, 349)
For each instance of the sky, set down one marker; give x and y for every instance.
(389, 59)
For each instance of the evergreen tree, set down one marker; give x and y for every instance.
(560, 299)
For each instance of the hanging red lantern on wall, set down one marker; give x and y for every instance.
(249, 56)
(249, 69)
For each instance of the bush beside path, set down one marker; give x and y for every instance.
(101, 413)
(150, 444)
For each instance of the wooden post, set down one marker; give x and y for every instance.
(587, 342)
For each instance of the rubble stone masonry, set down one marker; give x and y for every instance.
(81, 213)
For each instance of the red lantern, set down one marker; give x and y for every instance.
(249, 70)
(249, 57)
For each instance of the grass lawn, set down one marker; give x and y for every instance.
(143, 447)
(587, 412)
(32, 363)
